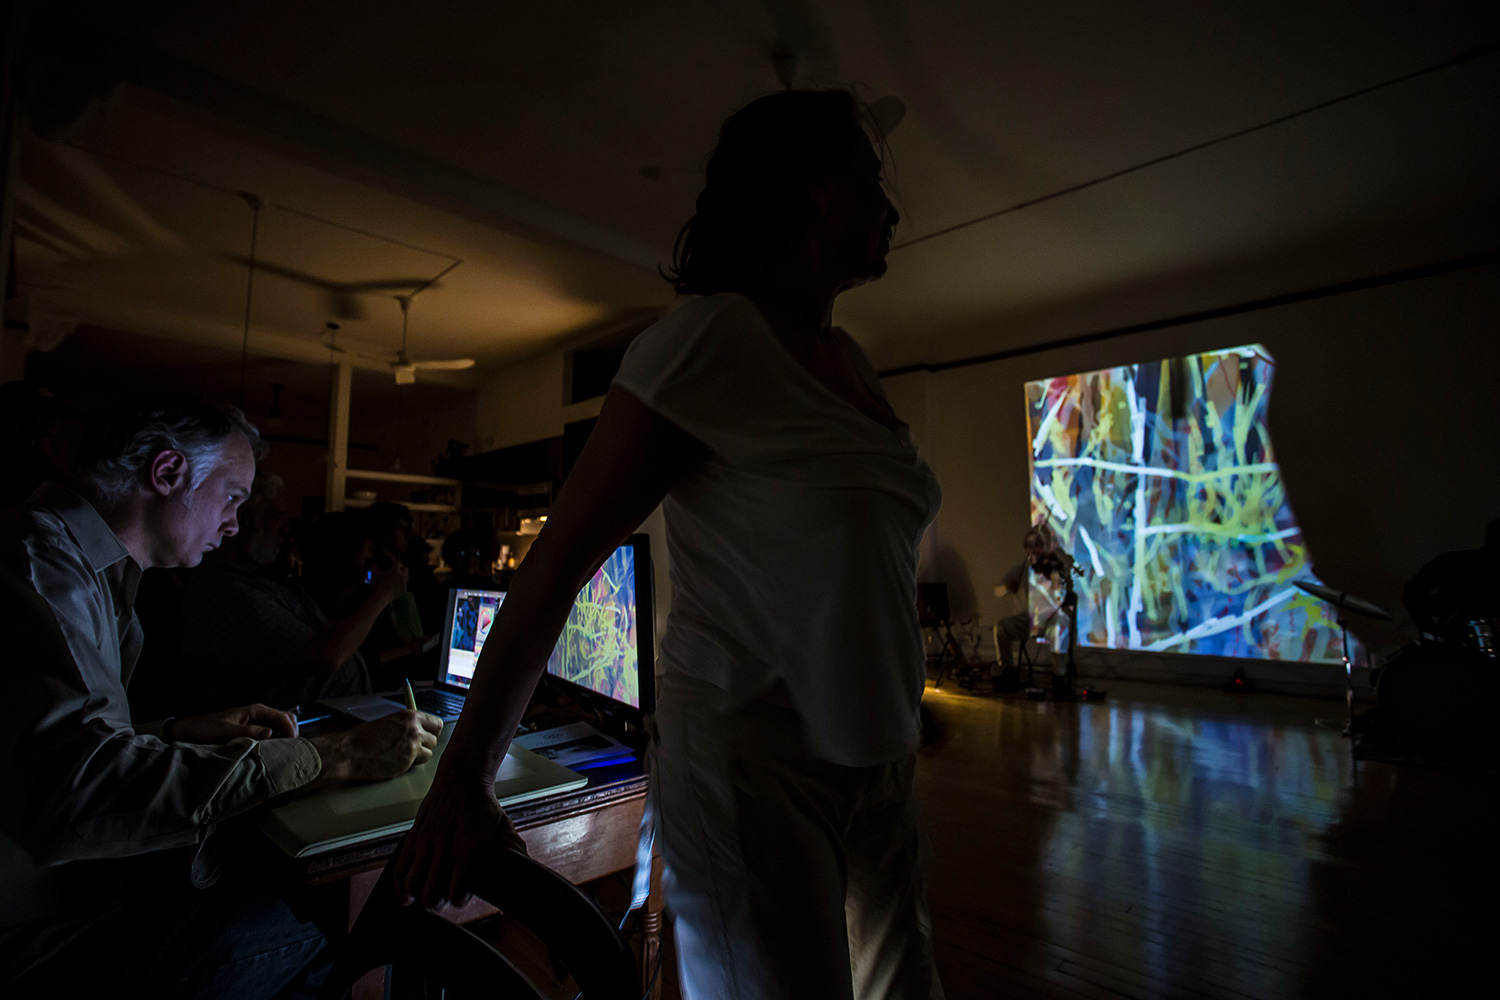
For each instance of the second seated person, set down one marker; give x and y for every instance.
(393, 650)
(791, 665)
(248, 636)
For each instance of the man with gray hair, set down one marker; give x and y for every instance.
(106, 862)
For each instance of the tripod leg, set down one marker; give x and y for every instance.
(946, 654)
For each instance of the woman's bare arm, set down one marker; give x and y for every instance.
(632, 459)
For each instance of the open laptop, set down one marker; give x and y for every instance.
(466, 625)
(604, 654)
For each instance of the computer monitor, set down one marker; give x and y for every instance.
(605, 649)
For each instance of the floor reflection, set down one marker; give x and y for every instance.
(1178, 842)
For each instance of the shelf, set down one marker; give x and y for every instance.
(401, 477)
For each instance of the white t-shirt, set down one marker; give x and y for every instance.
(794, 546)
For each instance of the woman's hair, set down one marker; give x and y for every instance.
(754, 202)
(120, 443)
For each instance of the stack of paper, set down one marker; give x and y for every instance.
(579, 746)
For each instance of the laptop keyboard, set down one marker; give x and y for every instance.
(446, 705)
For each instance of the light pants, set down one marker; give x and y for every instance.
(787, 877)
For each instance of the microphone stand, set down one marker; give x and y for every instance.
(1347, 726)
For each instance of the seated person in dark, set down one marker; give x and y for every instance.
(422, 574)
(470, 555)
(335, 551)
(1457, 589)
(117, 876)
(248, 636)
(394, 646)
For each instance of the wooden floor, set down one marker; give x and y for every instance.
(1179, 842)
(1175, 842)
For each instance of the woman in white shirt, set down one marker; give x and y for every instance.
(791, 665)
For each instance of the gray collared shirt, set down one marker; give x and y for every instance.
(78, 778)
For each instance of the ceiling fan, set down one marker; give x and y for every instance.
(406, 369)
(401, 365)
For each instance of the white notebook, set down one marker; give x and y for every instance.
(338, 817)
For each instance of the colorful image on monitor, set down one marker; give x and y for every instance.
(473, 614)
(597, 649)
(1159, 479)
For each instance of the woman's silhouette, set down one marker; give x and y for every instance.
(791, 665)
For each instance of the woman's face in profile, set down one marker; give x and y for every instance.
(860, 218)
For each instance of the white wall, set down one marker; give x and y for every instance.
(526, 402)
(1384, 416)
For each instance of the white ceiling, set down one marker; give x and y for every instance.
(512, 137)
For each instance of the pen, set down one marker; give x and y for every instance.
(411, 699)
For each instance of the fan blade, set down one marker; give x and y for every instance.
(453, 365)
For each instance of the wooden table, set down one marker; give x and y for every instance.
(583, 835)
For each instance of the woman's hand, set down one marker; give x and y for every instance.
(458, 818)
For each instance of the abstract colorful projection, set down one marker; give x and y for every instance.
(1160, 480)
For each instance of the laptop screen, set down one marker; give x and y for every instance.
(470, 615)
(603, 644)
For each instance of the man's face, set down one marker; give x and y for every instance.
(195, 521)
